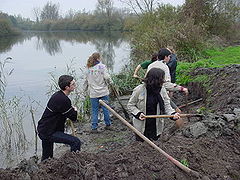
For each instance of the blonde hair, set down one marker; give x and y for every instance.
(93, 59)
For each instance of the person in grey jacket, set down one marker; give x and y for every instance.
(151, 98)
(96, 82)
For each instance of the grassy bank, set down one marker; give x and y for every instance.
(213, 58)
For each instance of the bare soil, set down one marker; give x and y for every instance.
(213, 152)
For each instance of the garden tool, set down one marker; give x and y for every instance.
(172, 130)
(171, 116)
(72, 127)
(174, 161)
(116, 95)
(195, 101)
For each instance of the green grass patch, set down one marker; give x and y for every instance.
(102, 140)
(185, 162)
(215, 58)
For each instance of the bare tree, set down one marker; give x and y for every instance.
(70, 14)
(37, 13)
(105, 9)
(141, 6)
(50, 11)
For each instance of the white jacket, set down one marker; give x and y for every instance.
(96, 81)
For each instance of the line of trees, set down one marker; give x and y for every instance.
(104, 17)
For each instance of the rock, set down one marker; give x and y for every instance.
(197, 129)
(229, 117)
(237, 111)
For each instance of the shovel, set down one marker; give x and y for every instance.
(174, 161)
(116, 95)
(174, 128)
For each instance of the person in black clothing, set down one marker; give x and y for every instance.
(51, 125)
(172, 64)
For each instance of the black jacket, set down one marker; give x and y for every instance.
(172, 64)
(58, 109)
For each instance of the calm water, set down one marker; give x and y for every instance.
(35, 55)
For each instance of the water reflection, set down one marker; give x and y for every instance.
(48, 42)
(51, 42)
(6, 43)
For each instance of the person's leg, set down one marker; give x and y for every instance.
(95, 108)
(47, 149)
(106, 111)
(61, 137)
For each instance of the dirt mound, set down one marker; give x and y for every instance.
(208, 145)
(222, 91)
(216, 158)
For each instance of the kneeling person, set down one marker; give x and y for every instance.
(51, 125)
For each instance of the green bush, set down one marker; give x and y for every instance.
(6, 29)
(163, 27)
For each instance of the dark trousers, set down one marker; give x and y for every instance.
(59, 137)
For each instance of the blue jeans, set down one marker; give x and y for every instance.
(59, 137)
(95, 110)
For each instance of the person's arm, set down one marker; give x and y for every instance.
(174, 87)
(61, 104)
(132, 105)
(135, 74)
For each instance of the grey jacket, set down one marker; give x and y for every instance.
(96, 81)
(137, 103)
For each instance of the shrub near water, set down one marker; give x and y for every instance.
(165, 27)
(6, 29)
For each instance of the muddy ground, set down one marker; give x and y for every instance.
(209, 145)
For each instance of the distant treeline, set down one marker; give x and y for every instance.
(104, 18)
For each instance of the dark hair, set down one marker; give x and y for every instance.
(154, 78)
(154, 57)
(64, 81)
(162, 53)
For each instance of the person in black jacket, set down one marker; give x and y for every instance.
(51, 125)
(172, 64)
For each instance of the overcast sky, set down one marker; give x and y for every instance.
(25, 7)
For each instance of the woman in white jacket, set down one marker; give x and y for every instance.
(97, 78)
(150, 98)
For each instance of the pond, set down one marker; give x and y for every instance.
(32, 59)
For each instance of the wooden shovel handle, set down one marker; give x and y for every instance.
(171, 116)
